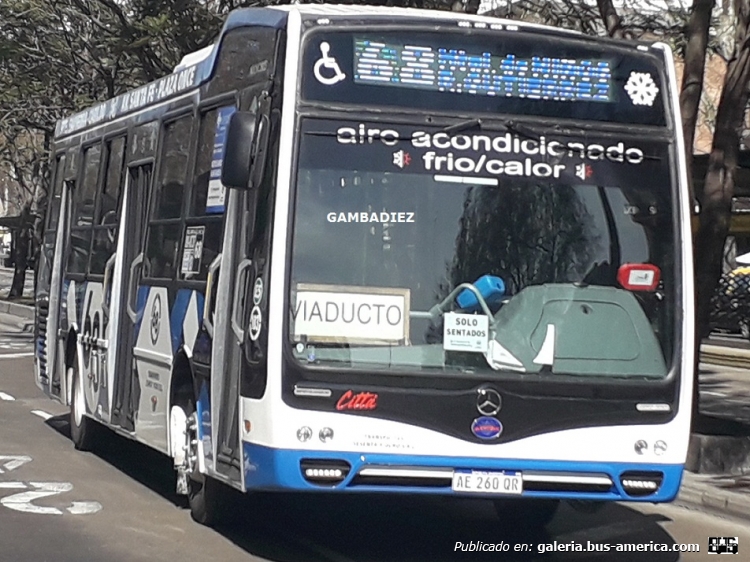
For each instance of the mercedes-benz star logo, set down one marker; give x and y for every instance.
(489, 401)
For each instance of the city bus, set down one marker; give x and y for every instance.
(355, 249)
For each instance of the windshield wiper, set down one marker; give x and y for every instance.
(462, 126)
(450, 130)
(530, 134)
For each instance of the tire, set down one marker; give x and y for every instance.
(526, 514)
(206, 496)
(84, 432)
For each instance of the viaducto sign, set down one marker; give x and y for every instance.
(342, 313)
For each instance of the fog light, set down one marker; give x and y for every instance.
(636, 483)
(324, 471)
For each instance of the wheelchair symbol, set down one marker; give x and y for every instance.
(330, 64)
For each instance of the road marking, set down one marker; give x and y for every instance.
(44, 415)
(84, 508)
(12, 462)
(22, 501)
(16, 355)
(711, 393)
(4, 396)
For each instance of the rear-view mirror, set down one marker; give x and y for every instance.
(235, 170)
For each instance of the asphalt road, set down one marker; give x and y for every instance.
(118, 505)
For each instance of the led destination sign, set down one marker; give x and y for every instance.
(498, 73)
(456, 70)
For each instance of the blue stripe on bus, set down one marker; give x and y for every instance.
(279, 469)
(80, 296)
(177, 317)
(203, 409)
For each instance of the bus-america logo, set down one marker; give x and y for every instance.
(486, 427)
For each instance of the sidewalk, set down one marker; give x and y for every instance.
(718, 465)
(22, 310)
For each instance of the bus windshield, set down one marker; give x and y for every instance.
(482, 251)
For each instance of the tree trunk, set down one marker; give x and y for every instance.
(692, 78)
(19, 273)
(611, 18)
(716, 199)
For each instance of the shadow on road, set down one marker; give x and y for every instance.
(141, 463)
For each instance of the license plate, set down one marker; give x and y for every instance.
(488, 482)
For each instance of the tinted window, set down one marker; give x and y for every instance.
(389, 238)
(174, 166)
(86, 193)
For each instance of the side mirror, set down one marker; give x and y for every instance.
(238, 155)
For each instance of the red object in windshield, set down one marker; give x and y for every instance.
(639, 276)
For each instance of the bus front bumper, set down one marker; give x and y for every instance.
(284, 469)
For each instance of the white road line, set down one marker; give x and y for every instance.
(41, 414)
(84, 508)
(12, 462)
(8, 397)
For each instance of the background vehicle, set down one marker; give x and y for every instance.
(730, 305)
(454, 257)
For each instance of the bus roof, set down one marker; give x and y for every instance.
(196, 68)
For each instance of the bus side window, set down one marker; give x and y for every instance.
(204, 225)
(53, 213)
(83, 212)
(164, 231)
(105, 223)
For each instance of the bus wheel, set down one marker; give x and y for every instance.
(204, 494)
(83, 430)
(526, 514)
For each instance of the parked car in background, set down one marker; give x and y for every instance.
(730, 305)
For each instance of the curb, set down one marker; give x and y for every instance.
(718, 454)
(695, 490)
(725, 356)
(20, 310)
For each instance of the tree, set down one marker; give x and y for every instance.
(715, 198)
(59, 57)
(714, 194)
(23, 155)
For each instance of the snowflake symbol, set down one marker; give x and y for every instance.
(641, 88)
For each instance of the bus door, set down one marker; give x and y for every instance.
(99, 317)
(233, 304)
(49, 279)
(134, 208)
(62, 317)
(225, 443)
